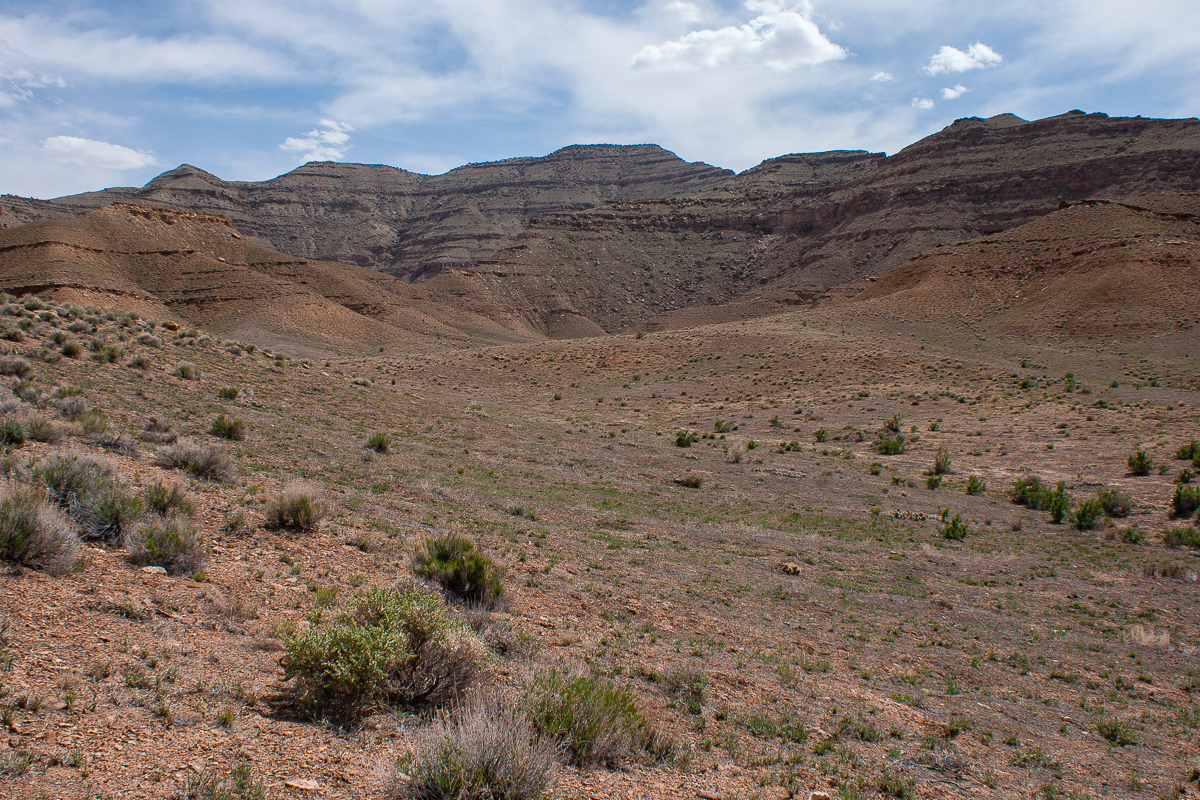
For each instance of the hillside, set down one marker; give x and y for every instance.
(1119, 270)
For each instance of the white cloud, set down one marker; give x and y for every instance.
(91, 153)
(883, 76)
(954, 93)
(329, 144)
(951, 59)
(688, 12)
(780, 37)
(922, 102)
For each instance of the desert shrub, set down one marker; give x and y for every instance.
(149, 340)
(70, 408)
(15, 366)
(952, 528)
(941, 461)
(389, 647)
(1116, 731)
(1130, 535)
(975, 485)
(891, 445)
(71, 348)
(487, 749)
(90, 494)
(455, 562)
(1186, 475)
(1115, 503)
(1059, 503)
(228, 393)
(1186, 535)
(1088, 513)
(685, 439)
(35, 534)
(187, 370)
(1188, 451)
(1030, 491)
(893, 425)
(141, 361)
(203, 461)
(380, 442)
(168, 499)
(690, 481)
(1185, 500)
(1140, 463)
(933, 481)
(821, 435)
(592, 720)
(875, 468)
(107, 354)
(171, 543)
(13, 433)
(296, 507)
(43, 430)
(224, 427)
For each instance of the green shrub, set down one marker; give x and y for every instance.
(1186, 535)
(1059, 503)
(821, 435)
(298, 508)
(224, 427)
(941, 461)
(933, 481)
(380, 442)
(1115, 503)
(141, 361)
(1186, 475)
(975, 485)
(1140, 463)
(486, 750)
(13, 433)
(1188, 451)
(1030, 491)
(1129, 535)
(952, 527)
(1116, 731)
(91, 495)
(167, 500)
(875, 468)
(592, 720)
(1185, 501)
(460, 567)
(20, 368)
(685, 439)
(203, 461)
(1087, 514)
(228, 393)
(389, 647)
(71, 348)
(43, 430)
(891, 445)
(171, 543)
(35, 534)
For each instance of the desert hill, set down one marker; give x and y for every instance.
(198, 269)
(1098, 267)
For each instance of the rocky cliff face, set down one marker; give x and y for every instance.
(400, 222)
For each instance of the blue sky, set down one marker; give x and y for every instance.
(96, 94)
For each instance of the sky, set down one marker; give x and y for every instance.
(96, 94)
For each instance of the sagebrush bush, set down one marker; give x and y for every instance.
(952, 528)
(592, 720)
(1182, 536)
(13, 433)
(224, 427)
(203, 461)
(941, 461)
(1031, 492)
(297, 507)
(35, 534)
(891, 445)
(171, 543)
(228, 393)
(455, 562)
(975, 485)
(487, 750)
(389, 647)
(1188, 451)
(89, 492)
(187, 370)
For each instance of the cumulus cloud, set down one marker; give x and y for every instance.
(951, 59)
(922, 102)
(91, 153)
(954, 93)
(883, 76)
(328, 142)
(781, 37)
